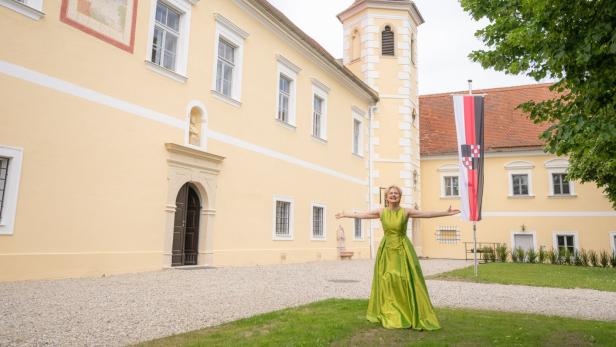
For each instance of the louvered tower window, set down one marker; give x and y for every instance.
(387, 38)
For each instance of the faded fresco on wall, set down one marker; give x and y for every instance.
(110, 20)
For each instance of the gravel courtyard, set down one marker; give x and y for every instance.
(125, 309)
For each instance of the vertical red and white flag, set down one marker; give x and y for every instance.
(468, 111)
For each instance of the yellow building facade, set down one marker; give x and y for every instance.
(140, 135)
(527, 200)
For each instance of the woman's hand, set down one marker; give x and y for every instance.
(339, 215)
(452, 212)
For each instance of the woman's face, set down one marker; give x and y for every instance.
(393, 195)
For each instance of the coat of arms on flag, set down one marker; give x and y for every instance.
(470, 156)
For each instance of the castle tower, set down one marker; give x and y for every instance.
(380, 46)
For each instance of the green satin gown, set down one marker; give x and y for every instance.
(399, 298)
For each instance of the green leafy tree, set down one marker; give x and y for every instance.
(574, 43)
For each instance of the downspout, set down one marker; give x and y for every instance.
(371, 111)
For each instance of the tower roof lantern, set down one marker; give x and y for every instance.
(360, 5)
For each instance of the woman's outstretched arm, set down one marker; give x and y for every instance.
(431, 214)
(361, 215)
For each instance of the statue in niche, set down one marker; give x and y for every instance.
(194, 129)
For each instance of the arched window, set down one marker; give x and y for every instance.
(355, 45)
(387, 41)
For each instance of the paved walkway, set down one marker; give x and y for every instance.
(124, 309)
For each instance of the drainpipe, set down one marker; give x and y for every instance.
(371, 110)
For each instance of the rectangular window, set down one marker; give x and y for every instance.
(166, 36)
(4, 169)
(317, 222)
(451, 186)
(283, 215)
(357, 227)
(284, 97)
(225, 67)
(520, 184)
(561, 184)
(317, 116)
(356, 136)
(565, 242)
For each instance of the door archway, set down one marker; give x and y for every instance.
(186, 227)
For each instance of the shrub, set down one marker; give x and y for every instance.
(566, 255)
(604, 258)
(492, 255)
(542, 255)
(584, 257)
(531, 256)
(592, 258)
(514, 256)
(519, 255)
(552, 256)
(613, 259)
(577, 259)
(502, 252)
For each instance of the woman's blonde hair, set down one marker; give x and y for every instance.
(393, 186)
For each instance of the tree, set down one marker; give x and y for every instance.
(574, 43)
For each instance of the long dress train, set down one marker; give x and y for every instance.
(399, 298)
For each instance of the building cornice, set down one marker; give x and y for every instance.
(490, 154)
(275, 20)
(362, 5)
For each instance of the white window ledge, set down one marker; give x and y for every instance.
(453, 197)
(563, 196)
(319, 139)
(286, 125)
(359, 156)
(280, 238)
(24, 9)
(318, 239)
(166, 72)
(521, 197)
(227, 99)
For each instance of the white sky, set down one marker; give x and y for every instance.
(444, 42)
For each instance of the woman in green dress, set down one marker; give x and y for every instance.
(399, 298)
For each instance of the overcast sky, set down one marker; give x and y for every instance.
(445, 40)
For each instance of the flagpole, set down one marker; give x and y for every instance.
(470, 92)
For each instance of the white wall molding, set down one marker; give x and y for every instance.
(549, 214)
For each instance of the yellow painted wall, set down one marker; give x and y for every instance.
(94, 178)
(588, 213)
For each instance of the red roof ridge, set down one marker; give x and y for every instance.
(497, 89)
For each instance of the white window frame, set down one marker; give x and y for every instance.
(520, 168)
(613, 241)
(30, 8)
(558, 166)
(533, 233)
(184, 8)
(321, 91)
(312, 237)
(11, 191)
(360, 145)
(291, 71)
(291, 219)
(236, 36)
(449, 170)
(576, 239)
(361, 227)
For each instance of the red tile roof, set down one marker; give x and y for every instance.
(506, 128)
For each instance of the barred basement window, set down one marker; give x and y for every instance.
(4, 168)
(387, 41)
(448, 234)
(283, 214)
(317, 222)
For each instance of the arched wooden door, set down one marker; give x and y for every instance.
(186, 227)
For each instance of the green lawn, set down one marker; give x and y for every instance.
(337, 322)
(541, 275)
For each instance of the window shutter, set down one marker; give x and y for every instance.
(387, 44)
